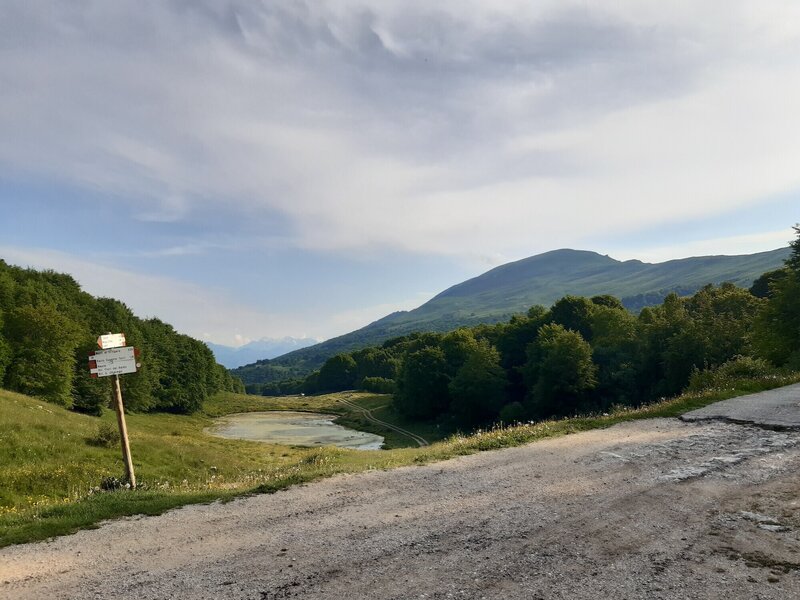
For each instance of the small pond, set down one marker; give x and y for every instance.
(293, 429)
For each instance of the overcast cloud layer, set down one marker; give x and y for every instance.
(468, 129)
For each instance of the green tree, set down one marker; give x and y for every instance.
(575, 313)
(517, 334)
(793, 262)
(422, 386)
(477, 392)
(5, 352)
(614, 351)
(559, 371)
(724, 318)
(776, 335)
(375, 362)
(762, 287)
(310, 384)
(608, 301)
(512, 343)
(191, 377)
(89, 395)
(177, 372)
(378, 385)
(138, 390)
(514, 412)
(684, 334)
(457, 346)
(8, 286)
(43, 343)
(338, 373)
(656, 327)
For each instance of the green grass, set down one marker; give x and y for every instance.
(381, 407)
(50, 473)
(227, 403)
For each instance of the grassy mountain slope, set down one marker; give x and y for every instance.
(514, 287)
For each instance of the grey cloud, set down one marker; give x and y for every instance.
(443, 72)
(292, 107)
(446, 78)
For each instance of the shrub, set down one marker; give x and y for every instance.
(378, 385)
(512, 413)
(107, 436)
(737, 369)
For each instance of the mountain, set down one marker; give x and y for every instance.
(232, 357)
(514, 287)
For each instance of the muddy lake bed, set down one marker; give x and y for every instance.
(291, 428)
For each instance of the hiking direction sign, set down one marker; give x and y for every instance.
(111, 340)
(114, 361)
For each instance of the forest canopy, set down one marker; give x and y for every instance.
(48, 326)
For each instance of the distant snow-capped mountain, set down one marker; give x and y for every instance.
(232, 357)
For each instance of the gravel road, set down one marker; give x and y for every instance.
(775, 409)
(650, 509)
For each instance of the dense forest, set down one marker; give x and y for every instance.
(48, 326)
(580, 355)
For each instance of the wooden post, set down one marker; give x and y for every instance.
(123, 434)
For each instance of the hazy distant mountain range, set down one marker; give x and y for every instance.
(232, 357)
(515, 287)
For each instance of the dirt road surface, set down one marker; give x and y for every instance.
(775, 409)
(651, 509)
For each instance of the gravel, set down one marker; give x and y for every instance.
(648, 509)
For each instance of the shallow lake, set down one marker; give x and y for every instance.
(293, 429)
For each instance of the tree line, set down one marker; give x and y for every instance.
(48, 326)
(580, 355)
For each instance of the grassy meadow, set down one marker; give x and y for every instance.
(53, 462)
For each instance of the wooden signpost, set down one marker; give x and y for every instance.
(115, 358)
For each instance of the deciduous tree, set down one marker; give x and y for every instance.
(477, 392)
(43, 343)
(559, 371)
(422, 387)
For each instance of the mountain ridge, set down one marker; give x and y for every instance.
(514, 287)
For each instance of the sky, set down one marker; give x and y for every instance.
(246, 169)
